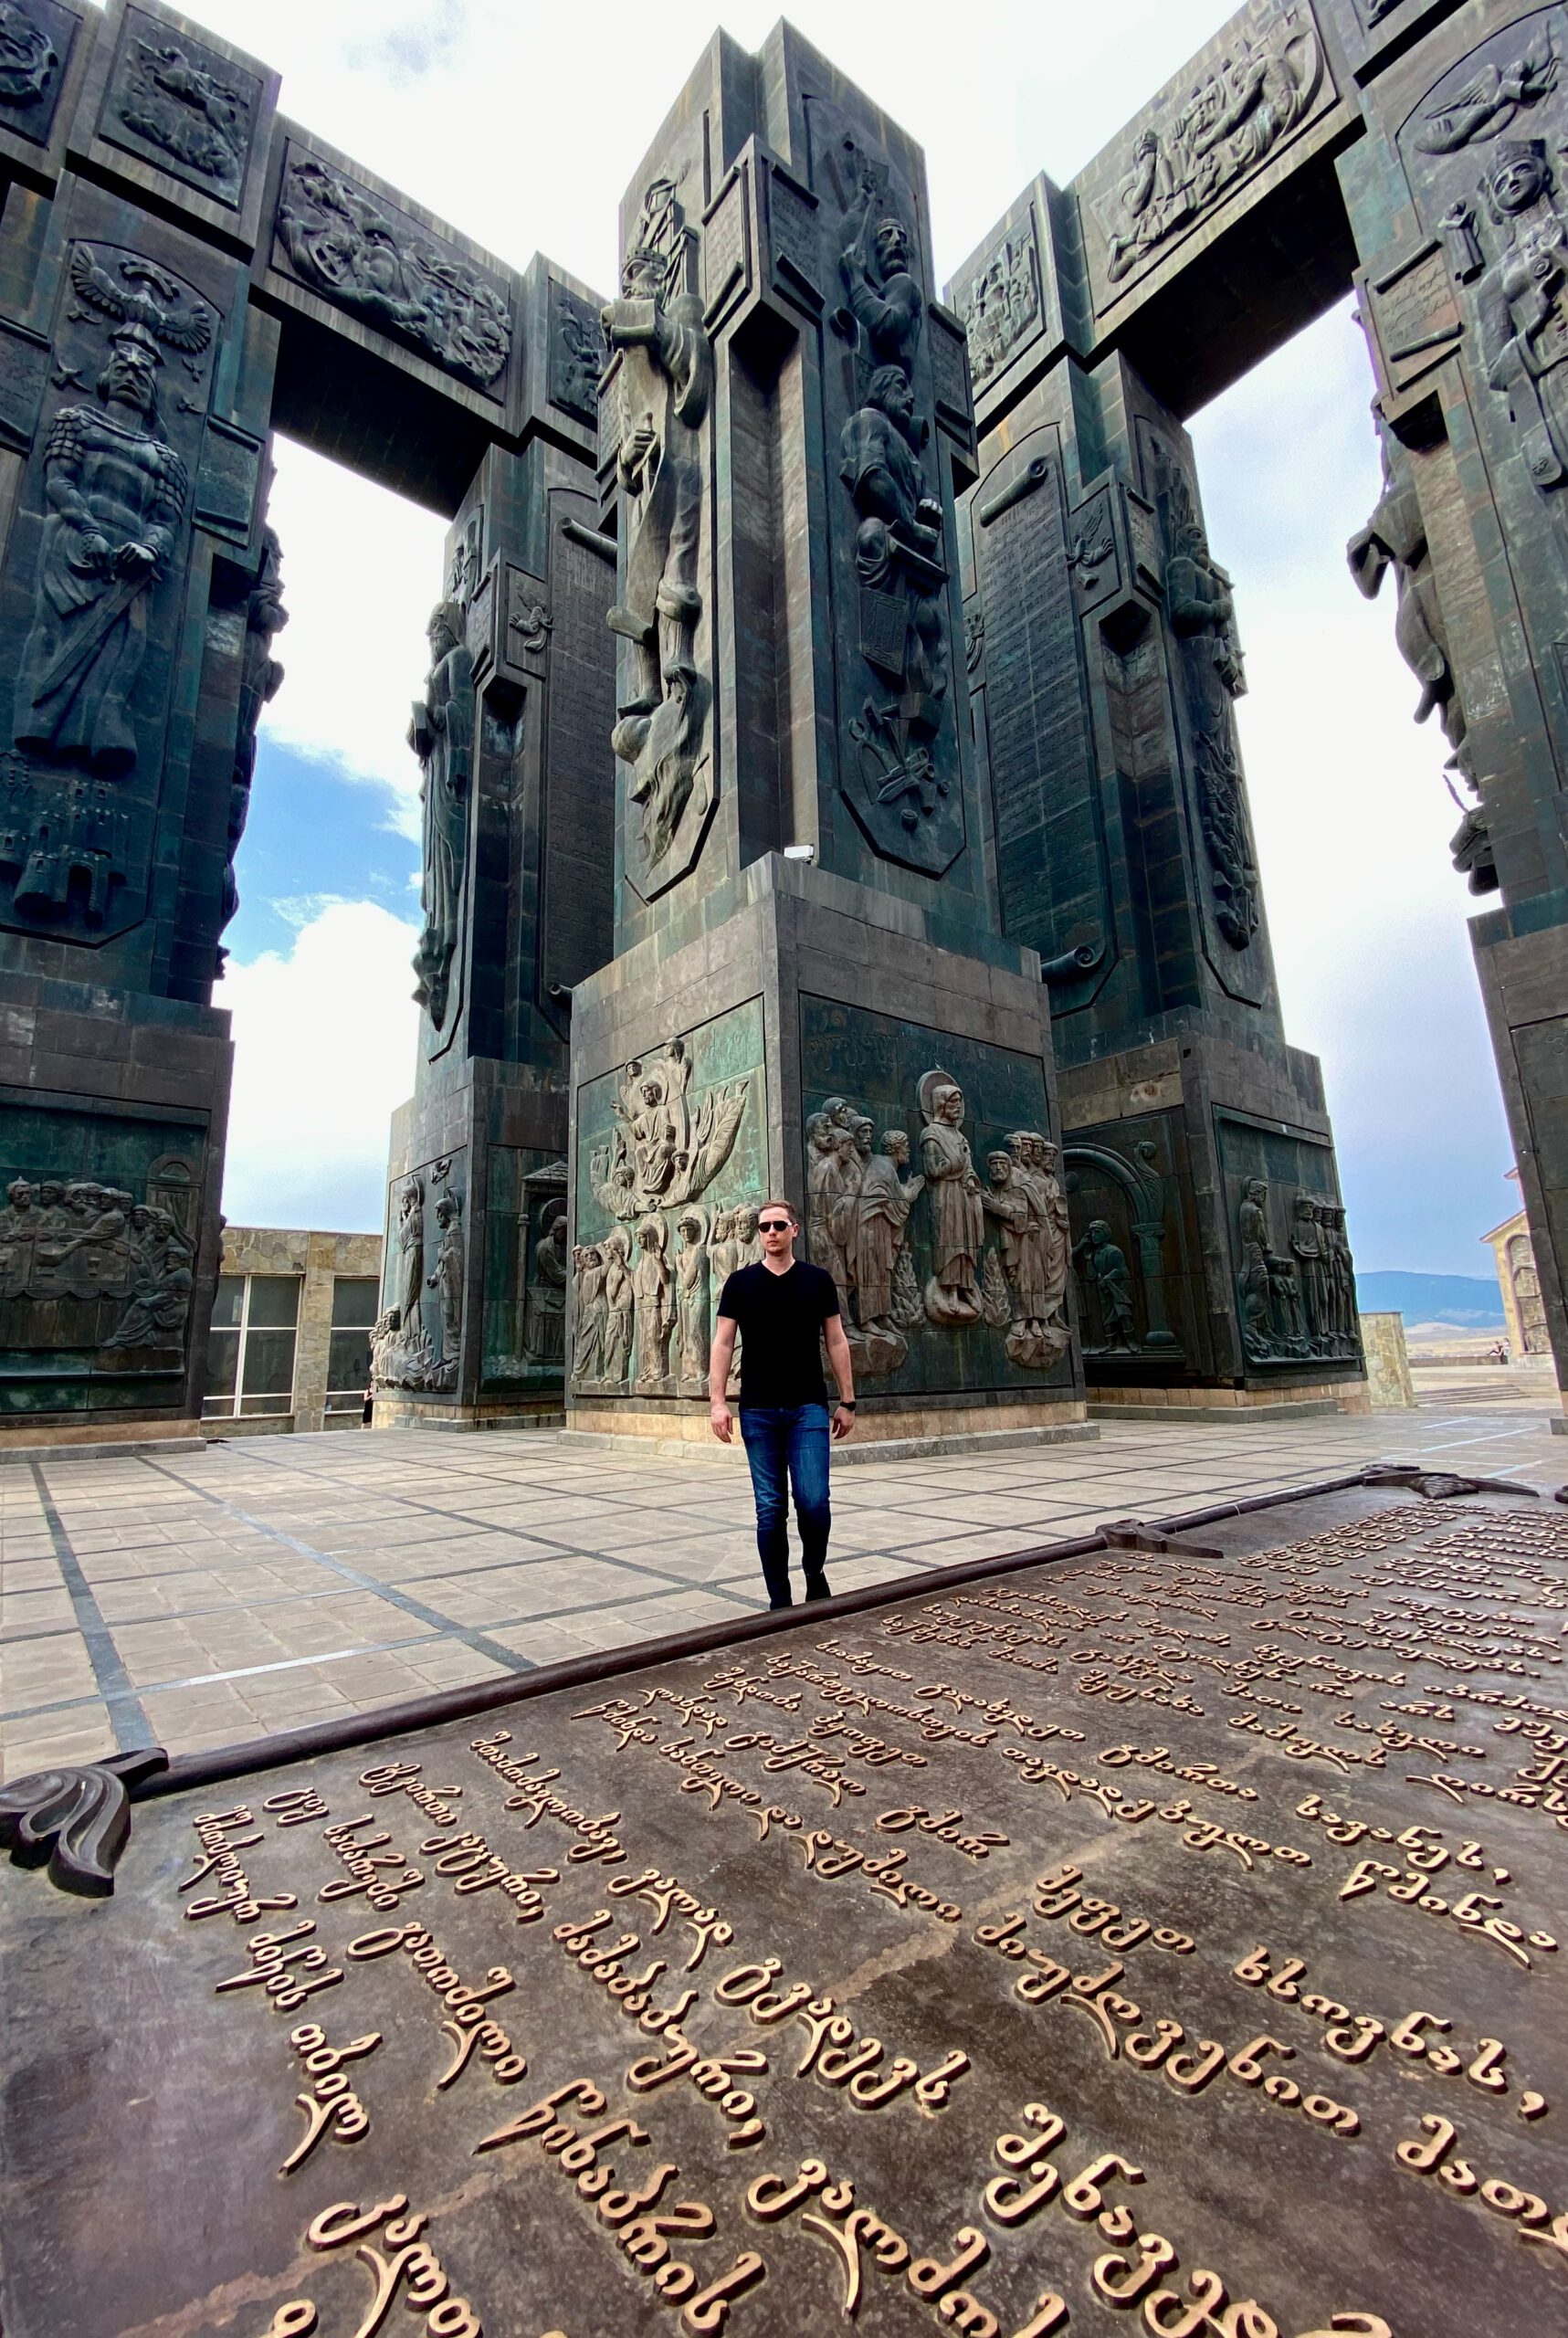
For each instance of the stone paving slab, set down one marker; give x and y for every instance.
(199, 1599)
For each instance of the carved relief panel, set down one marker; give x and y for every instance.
(36, 41)
(661, 382)
(1250, 93)
(1294, 1277)
(1481, 152)
(98, 1252)
(576, 353)
(1137, 1302)
(934, 1199)
(1002, 303)
(363, 253)
(527, 1268)
(671, 1164)
(93, 591)
(417, 1343)
(180, 105)
(888, 364)
(1207, 676)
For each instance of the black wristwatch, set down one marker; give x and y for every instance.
(846, 1404)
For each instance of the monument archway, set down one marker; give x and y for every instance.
(611, 935)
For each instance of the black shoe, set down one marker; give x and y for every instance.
(776, 1605)
(819, 1589)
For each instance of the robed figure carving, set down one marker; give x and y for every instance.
(1203, 616)
(259, 677)
(1523, 302)
(441, 734)
(115, 498)
(666, 382)
(957, 1211)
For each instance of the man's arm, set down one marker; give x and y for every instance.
(719, 1417)
(843, 1363)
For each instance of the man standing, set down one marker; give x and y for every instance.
(783, 1306)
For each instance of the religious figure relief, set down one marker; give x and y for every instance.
(260, 675)
(1003, 304)
(1023, 1195)
(1522, 299)
(885, 1286)
(666, 385)
(899, 544)
(1211, 138)
(447, 1281)
(666, 1147)
(115, 499)
(411, 1251)
(544, 1297)
(693, 1318)
(620, 1304)
(441, 734)
(1268, 1292)
(1202, 615)
(1491, 101)
(1104, 1274)
(162, 1284)
(28, 57)
(589, 1314)
(196, 120)
(370, 258)
(957, 1212)
(651, 1297)
(85, 1265)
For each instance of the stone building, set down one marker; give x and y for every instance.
(288, 1345)
(1518, 1281)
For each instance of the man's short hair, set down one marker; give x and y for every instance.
(777, 1201)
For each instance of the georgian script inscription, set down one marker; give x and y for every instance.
(1159, 1939)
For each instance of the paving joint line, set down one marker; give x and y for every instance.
(127, 1719)
(447, 1625)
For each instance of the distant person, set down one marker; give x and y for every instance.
(783, 1307)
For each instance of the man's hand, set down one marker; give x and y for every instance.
(720, 1420)
(842, 1424)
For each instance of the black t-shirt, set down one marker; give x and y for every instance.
(780, 1319)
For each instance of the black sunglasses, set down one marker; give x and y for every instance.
(774, 1226)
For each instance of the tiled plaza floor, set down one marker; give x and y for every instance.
(193, 1600)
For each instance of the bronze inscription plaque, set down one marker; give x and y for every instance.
(1167, 1940)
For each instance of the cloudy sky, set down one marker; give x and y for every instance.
(519, 124)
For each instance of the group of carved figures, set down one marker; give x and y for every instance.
(402, 1354)
(83, 1241)
(1231, 123)
(1303, 1305)
(666, 384)
(859, 1206)
(645, 1308)
(898, 555)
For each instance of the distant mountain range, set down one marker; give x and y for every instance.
(1471, 1302)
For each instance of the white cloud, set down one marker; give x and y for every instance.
(324, 1046)
(362, 570)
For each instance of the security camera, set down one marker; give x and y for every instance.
(807, 852)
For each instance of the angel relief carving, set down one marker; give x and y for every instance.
(667, 1146)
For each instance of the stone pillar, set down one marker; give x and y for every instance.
(138, 600)
(811, 993)
(1459, 204)
(1104, 659)
(513, 735)
(1388, 1381)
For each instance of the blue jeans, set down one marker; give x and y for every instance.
(792, 1438)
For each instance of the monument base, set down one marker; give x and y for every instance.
(474, 1288)
(1218, 1275)
(113, 1106)
(796, 1034)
